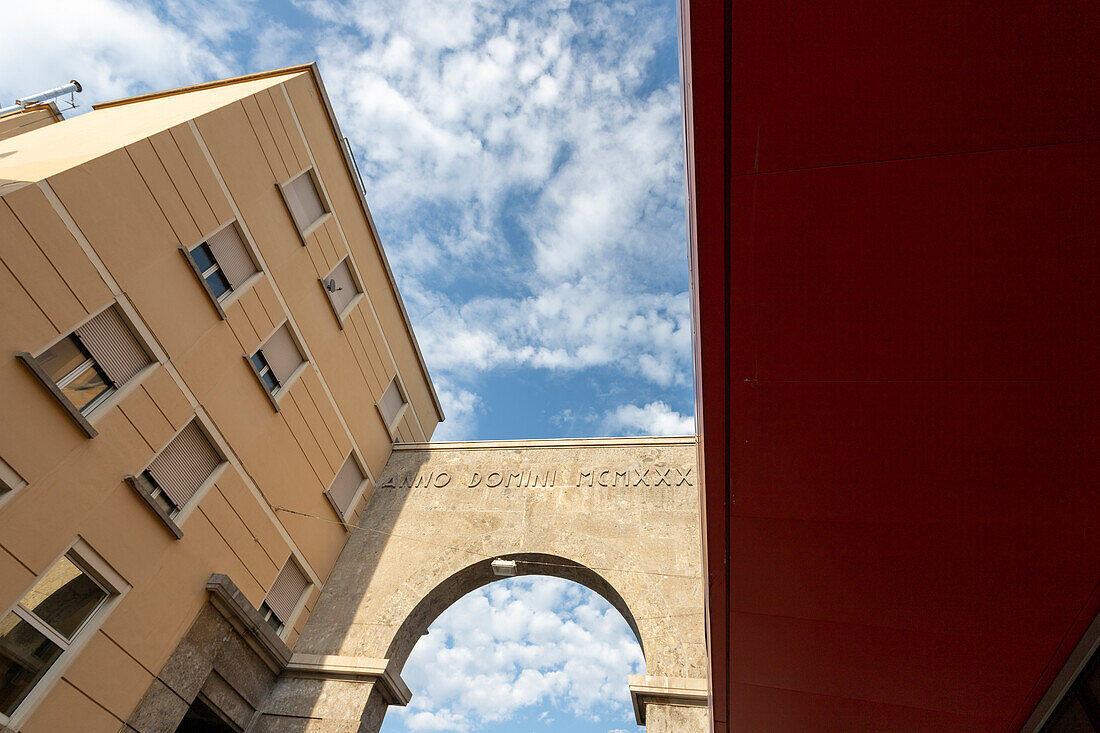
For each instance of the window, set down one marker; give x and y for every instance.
(181, 467)
(223, 262)
(277, 361)
(149, 485)
(304, 201)
(264, 370)
(271, 618)
(286, 595)
(46, 622)
(341, 287)
(85, 367)
(211, 273)
(392, 406)
(76, 374)
(345, 487)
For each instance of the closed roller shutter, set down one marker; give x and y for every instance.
(287, 590)
(281, 354)
(232, 255)
(346, 287)
(304, 201)
(184, 464)
(391, 403)
(346, 484)
(110, 342)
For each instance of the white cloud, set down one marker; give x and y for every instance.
(515, 645)
(113, 47)
(655, 418)
(574, 326)
(460, 407)
(459, 112)
(522, 161)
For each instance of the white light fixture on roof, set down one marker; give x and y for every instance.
(504, 568)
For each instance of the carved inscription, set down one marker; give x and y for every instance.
(546, 478)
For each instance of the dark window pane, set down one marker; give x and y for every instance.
(61, 358)
(267, 377)
(166, 504)
(219, 285)
(270, 617)
(270, 380)
(146, 482)
(86, 387)
(203, 257)
(64, 597)
(25, 655)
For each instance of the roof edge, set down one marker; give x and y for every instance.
(374, 233)
(548, 443)
(204, 85)
(50, 105)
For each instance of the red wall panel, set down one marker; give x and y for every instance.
(898, 399)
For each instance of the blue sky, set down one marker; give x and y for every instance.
(523, 161)
(524, 654)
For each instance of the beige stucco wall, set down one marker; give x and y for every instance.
(134, 208)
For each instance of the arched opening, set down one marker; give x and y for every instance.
(551, 647)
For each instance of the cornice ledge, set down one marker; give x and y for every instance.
(647, 689)
(228, 599)
(548, 443)
(382, 672)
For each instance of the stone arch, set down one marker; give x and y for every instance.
(618, 516)
(479, 574)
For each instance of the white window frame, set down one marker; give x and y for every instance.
(183, 512)
(229, 296)
(80, 369)
(92, 413)
(322, 194)
(106, 577)
(281, 387)
(269, 614)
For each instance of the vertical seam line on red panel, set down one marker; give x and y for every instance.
(727, 166)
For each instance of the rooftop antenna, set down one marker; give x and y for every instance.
(71, 89)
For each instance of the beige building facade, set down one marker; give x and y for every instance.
(200, 336)
(219, 506)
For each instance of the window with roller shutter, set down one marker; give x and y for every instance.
(223, 262)
(304, 201)
(113, 346)
(345, 487)
(277, 359)
(92, 362)
(392, 405)
(341, 287)
(286, 593)
(181, 467)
